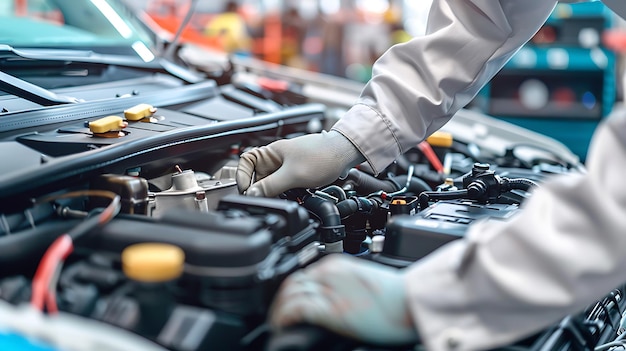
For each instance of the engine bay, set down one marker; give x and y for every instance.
(78, 196)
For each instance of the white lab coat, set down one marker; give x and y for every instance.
(564, 250)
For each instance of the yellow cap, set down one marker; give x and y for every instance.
(398, 202)
(139, 112)
(107, 124)
(440, 139)
(153, 262)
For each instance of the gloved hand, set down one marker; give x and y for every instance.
(352, 297)
(307, 161)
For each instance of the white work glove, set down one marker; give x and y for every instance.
(352, 297)
(307, 161)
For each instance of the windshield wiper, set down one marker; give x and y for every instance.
(32, 92)
(84, 56)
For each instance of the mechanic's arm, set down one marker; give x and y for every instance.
(564, 250)
(415, 89)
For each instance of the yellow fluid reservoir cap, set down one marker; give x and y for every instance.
(153, 262)
(440, 139)
(139, 112)
(107, 124)
(398, 202)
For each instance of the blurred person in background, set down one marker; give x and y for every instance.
(332, 34)
(368, 36)
(293, 34)
(229, 30)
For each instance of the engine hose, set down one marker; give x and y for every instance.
(426, 196)
(356, 204)
(366, 184)
(29, 245)
(403, 162)
(332, 230)
(347, 207)
(423, 173)
(335, 191)
(416, 186)
(520, 184)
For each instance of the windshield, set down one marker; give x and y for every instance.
(105, 26)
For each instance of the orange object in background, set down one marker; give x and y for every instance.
(168, 15)
(271, 44)
(36, 10)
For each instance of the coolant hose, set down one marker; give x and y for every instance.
(27, 246)
(366, 184)
(347, 207)
(356, 204)
(336, 191)
(332, 230)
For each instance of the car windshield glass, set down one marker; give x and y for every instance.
(105, 26)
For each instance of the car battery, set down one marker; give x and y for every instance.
(409, 238)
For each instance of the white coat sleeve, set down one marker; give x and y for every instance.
(565, 249)
(416, 87)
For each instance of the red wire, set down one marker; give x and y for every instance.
(44, 281)
(430, 154)
(51, 260)
(51, 301)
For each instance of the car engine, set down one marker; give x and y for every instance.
(120, 217)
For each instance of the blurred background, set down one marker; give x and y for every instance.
(562, 83)
(338, 37)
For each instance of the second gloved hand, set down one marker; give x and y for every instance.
(304, 162)
(359, 299)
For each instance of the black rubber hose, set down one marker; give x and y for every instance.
(27, 246)
(425, 174)
(521, 184)
(328, 214)
(324, 209)
(347, 207)
(416, 186)
(335, 191)
(403, 162)
(367, 184)
(356, 204)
